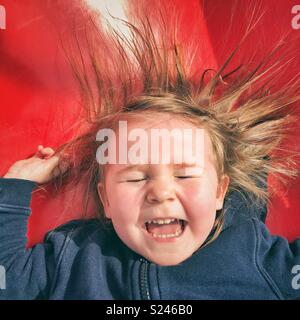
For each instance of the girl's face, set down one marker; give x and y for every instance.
(163, 211)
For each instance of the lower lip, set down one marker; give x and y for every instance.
(165, 240)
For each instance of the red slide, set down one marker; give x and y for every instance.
(40, 100)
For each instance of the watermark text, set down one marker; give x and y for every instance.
(296, 17)
(2, 278)
(296, 278)
(152, 146)
(2, 18)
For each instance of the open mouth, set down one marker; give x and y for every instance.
(166, 228)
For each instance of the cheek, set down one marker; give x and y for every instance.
(199, 202)
(199, 198)
(123, 199)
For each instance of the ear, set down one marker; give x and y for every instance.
(103, 198)
(221, 191)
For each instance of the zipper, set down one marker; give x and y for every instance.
(144, 281)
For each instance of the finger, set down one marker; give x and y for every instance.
(44, 153)
(52, 162)
(47, 151)
(59, 170)
(43, 150)
(55, 172)
(38, 152)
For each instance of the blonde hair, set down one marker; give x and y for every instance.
(147, 70)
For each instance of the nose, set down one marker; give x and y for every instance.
(160, 190)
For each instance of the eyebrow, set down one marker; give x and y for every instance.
(134, 166)
(184, 165)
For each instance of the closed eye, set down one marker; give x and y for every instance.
(188, 173)
(137, 180)
(186, 177)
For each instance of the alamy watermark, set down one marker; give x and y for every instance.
(2, 17)
(2, 278)
(153, 146)
(296, 278)
(296, 18)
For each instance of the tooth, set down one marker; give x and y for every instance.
(169, 235)
(162, 221)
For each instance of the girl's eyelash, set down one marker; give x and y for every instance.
(185, 177)
(137, 180)
(145, 178)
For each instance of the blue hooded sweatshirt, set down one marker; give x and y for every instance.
(85, 260)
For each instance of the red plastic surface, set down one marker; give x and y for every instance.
(39, 98)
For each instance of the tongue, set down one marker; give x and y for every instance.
(164, 228)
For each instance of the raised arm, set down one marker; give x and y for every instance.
(25, 274)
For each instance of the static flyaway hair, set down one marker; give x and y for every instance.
(145, 69)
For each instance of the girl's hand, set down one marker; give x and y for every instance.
(40, 168)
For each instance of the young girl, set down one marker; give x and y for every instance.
(166, 235)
